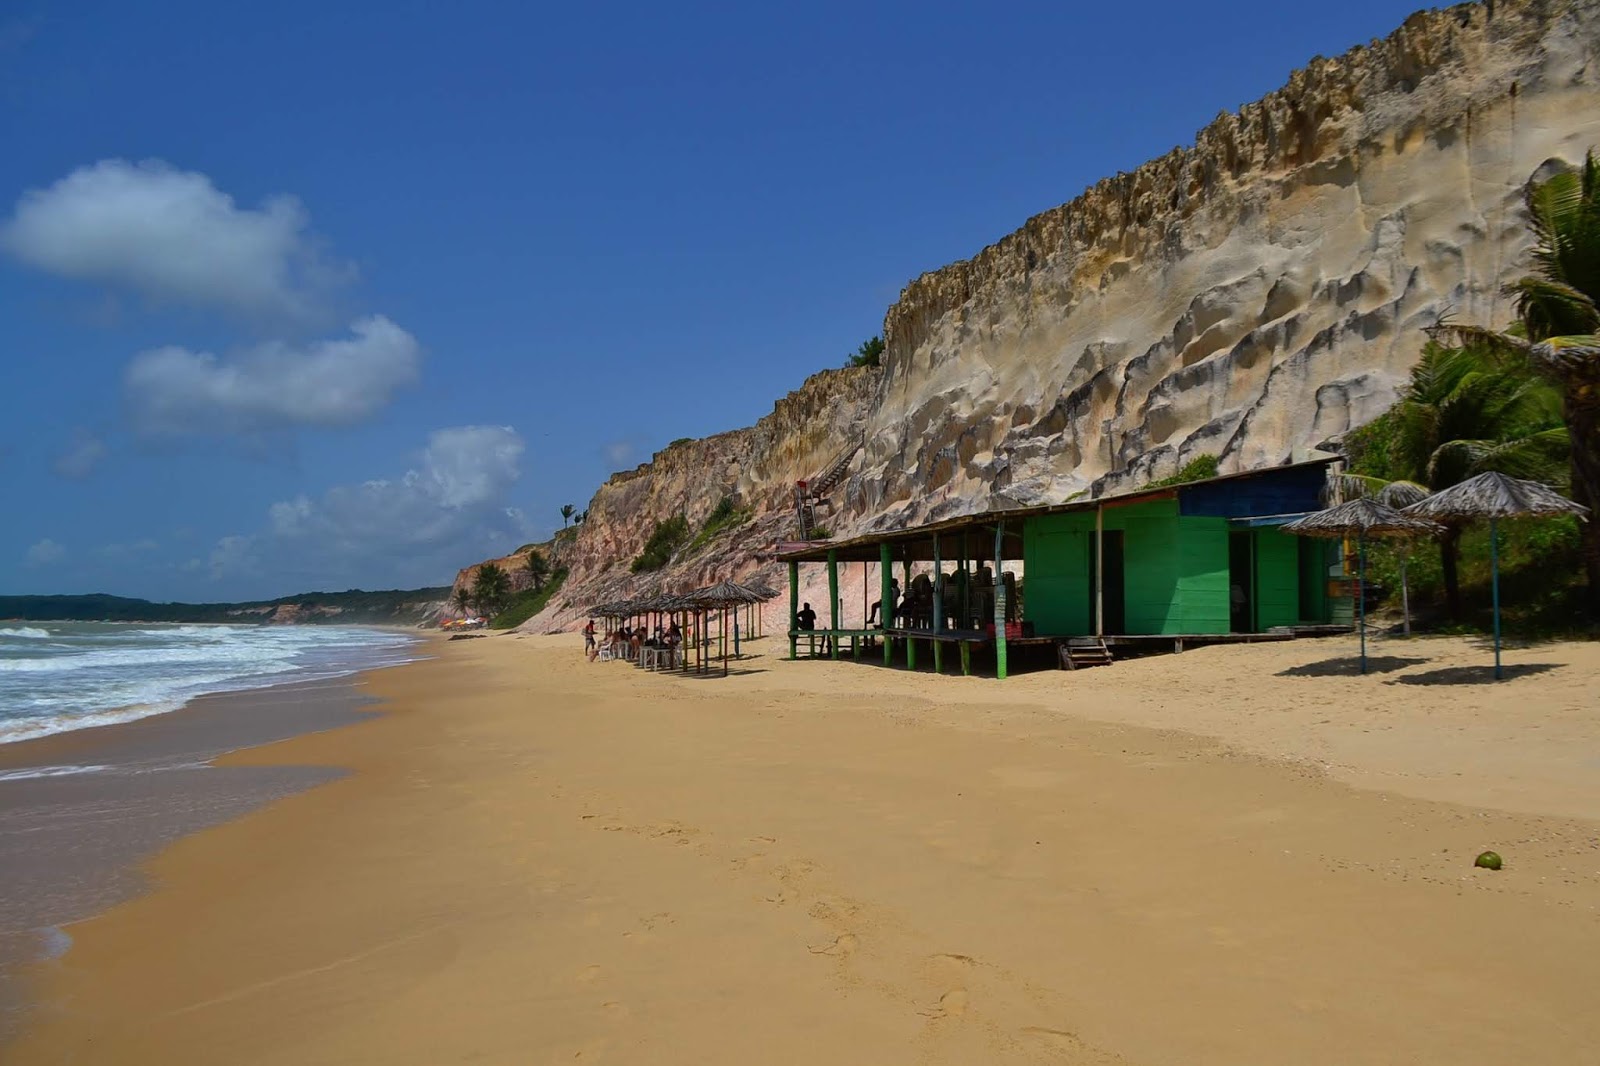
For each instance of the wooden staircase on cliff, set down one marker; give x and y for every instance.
(811, 494)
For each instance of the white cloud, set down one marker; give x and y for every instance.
(175, 237)
(448, 510)
(45, 552)
(618, 452)
(127, 549)
(82, 454)
(174, 391)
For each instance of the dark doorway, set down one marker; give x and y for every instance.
(1116, 620)
(1313, 580)
(1241, 582)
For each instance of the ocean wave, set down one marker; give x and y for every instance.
(26, 633)
(100, 674)
(32, 772)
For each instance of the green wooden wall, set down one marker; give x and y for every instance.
(1176, 577)
(1277, 578)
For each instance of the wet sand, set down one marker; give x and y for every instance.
(79, 810)
(1221, 857)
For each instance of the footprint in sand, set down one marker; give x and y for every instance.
(615, 1011)
(1058, 1038)
(589, 975)
(961, 961)
(843, 946)
(953, 1004)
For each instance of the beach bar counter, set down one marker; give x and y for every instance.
(1158, 568)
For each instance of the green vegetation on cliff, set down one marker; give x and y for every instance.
(667, 537)
(527, 603)
(724, 516)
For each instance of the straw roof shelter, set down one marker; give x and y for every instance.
(722, 595)
(1494, 496)
(1362, 518)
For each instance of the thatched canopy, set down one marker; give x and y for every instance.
(762, 589)
(1364, 517)
(726, 594)
(1400, 494)
(1494, 495)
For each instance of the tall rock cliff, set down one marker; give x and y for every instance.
(1253, 297)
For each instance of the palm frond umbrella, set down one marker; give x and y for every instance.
(1400, 495)
(1362, 518)
(1495, 496)
(722, 595)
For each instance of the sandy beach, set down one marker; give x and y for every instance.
(1235, 855)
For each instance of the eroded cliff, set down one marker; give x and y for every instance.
(1253, 296)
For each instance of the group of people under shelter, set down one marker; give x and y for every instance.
(967, 601)
(624, 642)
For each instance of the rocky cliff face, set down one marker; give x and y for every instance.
(756, 468)
(1253, 297)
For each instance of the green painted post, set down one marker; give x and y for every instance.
(999, 603)
(938, 607)
(911, 653)
(885, 613)
(794, 607)
(833, 601)
(966, 658)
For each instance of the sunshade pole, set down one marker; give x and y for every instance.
(1361, 595)
(1494, 582)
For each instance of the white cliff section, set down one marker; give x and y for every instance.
(1250, 297)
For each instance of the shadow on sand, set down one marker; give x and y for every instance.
(1351, 667)
(1471, 675)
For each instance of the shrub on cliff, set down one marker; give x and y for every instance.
(667, 537)
(527, 603)
(1197, 469)
(724, 516)
(869, 354)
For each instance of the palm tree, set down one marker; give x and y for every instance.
(567, 511)
(1465, 412)
(489, 587)
(463, 601)
(538, 569)
(1558, 308)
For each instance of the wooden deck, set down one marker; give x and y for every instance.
(834, 641)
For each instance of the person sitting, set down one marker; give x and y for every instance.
(805, 617)
(894, 598)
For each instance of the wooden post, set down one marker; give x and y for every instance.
(886, 617)
(794, 606)
(963, 586)
(1100, 569)
(999, 602)
(833, 601)
(911, 652)
(966, 658)
(938, 608)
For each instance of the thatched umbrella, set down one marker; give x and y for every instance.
(1362, 518)
(1400, 495)
(725, 594)
(1495, 496)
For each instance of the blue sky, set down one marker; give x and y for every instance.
(319, 296)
